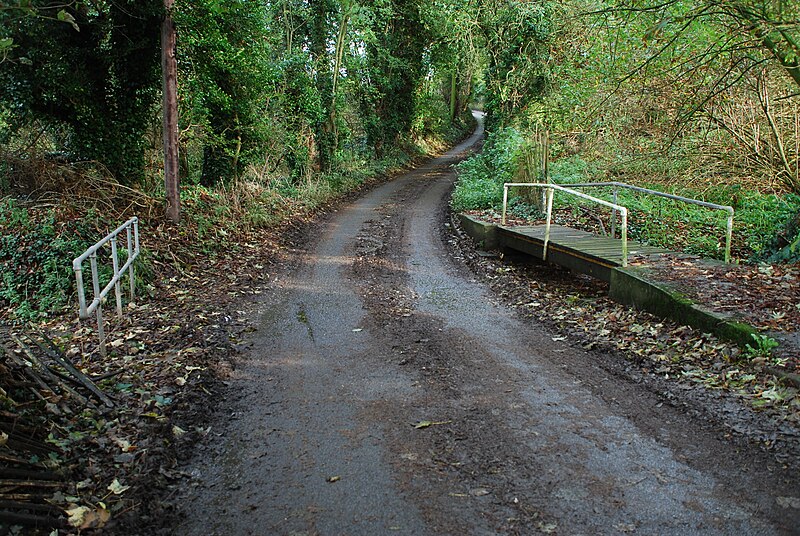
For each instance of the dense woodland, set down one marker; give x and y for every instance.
(284, 104)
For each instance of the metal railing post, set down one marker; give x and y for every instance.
(547, 225)
(81, 294)
(505, 203)
(614, 216)
(115, 266)
(624, 232)
(136, 244)
(101, 333)
(131, 274)
(729, 236)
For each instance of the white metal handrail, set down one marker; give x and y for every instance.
(132, 232)
(550, 187)
(713, 206)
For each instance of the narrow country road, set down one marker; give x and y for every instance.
(517, 431)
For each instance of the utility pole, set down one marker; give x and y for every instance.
(169, 67)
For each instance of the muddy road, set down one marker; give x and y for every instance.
(387, 392)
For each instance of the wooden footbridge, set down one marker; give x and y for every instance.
(586, 252)
(580, 251)
(606, 257)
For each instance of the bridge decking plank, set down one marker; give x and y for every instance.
(603, 248)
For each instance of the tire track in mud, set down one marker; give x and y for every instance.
(467, 462)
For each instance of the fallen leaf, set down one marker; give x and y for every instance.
(426, 424)
(547, 528)
(76, 515)
(95, 519)
(116, 488)
(788, 502)
(123, 444)
(333, 479)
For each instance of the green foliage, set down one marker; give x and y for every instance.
(226, 79)
(430, 115)
(277, 90)
(395, 47)
(571, 169)
(518, 39)
(520, 208)
(475, 191)
(760, 217)
(790, 252)
(763, 346)
(302, 106)
(481, 177)
(92, 70)
(36, 253)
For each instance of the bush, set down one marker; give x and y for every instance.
(481, 178)
(36, 252)
(760, 218)
(570, 170)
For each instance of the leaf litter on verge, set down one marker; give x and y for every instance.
(653, 344)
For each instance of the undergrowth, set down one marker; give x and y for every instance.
(216, 215)
(759, 217)
(36, 252)
(40, 238)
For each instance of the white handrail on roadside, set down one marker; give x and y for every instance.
(550, 187)
(132, 230)
(689, 200)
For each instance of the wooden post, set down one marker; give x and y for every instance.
(169, 67)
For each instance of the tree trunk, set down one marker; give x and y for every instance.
(453, 96)
(169, 68)
(318, 47)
